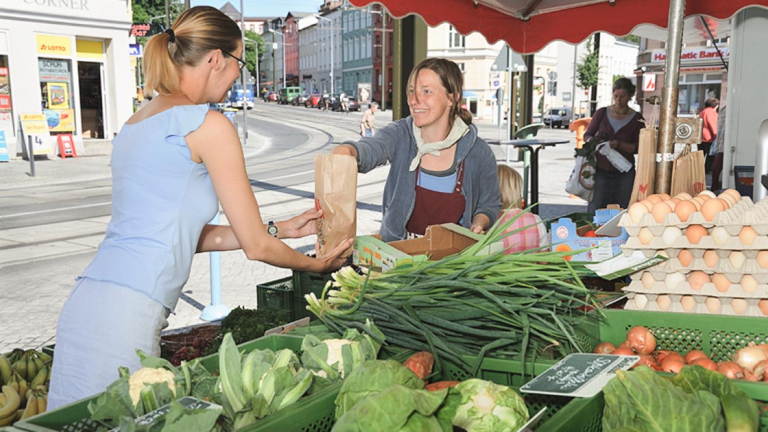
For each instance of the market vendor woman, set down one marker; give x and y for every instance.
(172, 163)
(441, 170)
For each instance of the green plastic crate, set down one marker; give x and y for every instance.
(719, 336)
(305, 283)
(277, 295)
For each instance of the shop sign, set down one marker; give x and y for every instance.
(140, 29)
(5, 101)
(4, 156)
(61, 4)
(35, 128)
(56, 45)
(89, 49)
(579, 375)
(134, 50)
(649, 82)
(692, 54)
(54, 70)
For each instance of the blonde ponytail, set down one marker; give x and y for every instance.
(162, 75)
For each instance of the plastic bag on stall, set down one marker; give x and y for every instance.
(582, 180)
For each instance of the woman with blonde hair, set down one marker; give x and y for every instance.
(172, 163)
(441, 170)
(531, 232)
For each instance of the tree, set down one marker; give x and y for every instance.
(145, 10)
(250, 50)
(587, 71)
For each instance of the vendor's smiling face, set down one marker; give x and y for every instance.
(428, 100)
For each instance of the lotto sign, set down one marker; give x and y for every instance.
(35, 128)
(649, 82)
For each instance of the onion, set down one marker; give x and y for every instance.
(661, 355)
(693, 355)
(762, 346)
(761, 370)
(672, 365)
(605, 348)
(641, 340)
(623, 351)
(731, 370)
(647, 360)
(676, 356)
(749, 376)
(705, 363)
(749, 357)
(624, 344)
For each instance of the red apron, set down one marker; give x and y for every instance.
(434, 208)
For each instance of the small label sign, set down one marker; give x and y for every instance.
(579, 375)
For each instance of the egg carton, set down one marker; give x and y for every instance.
(723, 265)
(696, 252)
(734, 216)
(676, 303)
(708, 290)
(707, 242)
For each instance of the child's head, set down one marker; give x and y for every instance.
(510, 185)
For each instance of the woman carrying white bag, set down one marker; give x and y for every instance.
(617, 128)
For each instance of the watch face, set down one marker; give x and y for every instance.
(272, 229)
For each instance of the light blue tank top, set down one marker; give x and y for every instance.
(161, 200)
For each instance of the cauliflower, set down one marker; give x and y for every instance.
(145, 376)
(334, 353)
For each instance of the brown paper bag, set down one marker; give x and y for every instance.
(645, 176)
(336, 196)
(688, 172)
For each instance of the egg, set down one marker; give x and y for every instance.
(762, 259)
(747, 235)
(737, 259)
(674, 279)
(676, 200)
(733, 193)
(663, 301)
(684, 210)
(685, 257)
(711, 208)
(671, 204)
(763, 305)
(711, 258)
(739, 306)
(683, 196)
(637, 211)
(647, 280)
(641, 301)
(694, 233)
(713, 304)
(660, 211)
(654, 199)
(645, 236)
(728, 198)
(698, 202)
(664, 197)
(707, 193)
(748, 284)
(688, 303)
(703, 198)
(726, 203)
(720, 235)
(697, 280)
(647, 204)
(721, 282)
(670, 234)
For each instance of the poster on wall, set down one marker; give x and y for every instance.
(60, 120)
(58, 95)
(364, 92)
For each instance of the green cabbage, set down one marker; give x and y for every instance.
(334, 359)
(486, 407)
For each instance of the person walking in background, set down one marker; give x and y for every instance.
(368, 122)
(531, 232)
(344, 100)
(708, 130)
(619, 126)
(717, 162)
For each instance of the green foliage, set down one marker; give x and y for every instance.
(251, 57)
(587, 71)
(144, 10)
(247, 324)
(632, 39)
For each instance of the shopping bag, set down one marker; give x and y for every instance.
(688, 172)
(646, 165)
(582, 180)
(336, 196)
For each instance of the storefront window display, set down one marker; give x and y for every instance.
(56, 90)
(695, 89)
(6, 114)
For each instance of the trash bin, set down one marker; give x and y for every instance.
(744, 177)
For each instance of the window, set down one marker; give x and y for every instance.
(6, 115)
(461, 67)
(368, 44)
(455, 39)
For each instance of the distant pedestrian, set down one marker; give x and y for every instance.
(326, 101)
(368, 122)
(344, 100)
(173, 162)
(717, 162)
(708, 130)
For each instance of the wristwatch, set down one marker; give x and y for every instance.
(272, 229)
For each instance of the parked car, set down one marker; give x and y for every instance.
(352, 104)
(332, 99)
(287, 94)
(271, 97)
(558, 117)
(300, 99)
(313, 101)
(266, 95)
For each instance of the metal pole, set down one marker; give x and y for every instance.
(242, 75)
(383, 59)
(332, 60)
(669, 95)
(167, 14)
(285, 84)
(573, 88)
(216, 310)
(274, 63)
(31, 154)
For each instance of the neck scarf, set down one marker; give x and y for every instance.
(458, 130)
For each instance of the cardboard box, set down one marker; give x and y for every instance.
(566, 236)
(439, 242)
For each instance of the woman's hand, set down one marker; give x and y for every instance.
(333, 260)
(479, 223)
(344, 150)
(300, 226)
(614, 144)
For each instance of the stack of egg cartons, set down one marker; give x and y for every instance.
(718, 254)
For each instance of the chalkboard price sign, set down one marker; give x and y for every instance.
(579, 375)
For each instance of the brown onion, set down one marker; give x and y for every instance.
(647, 360)
(624, 344)
(749, 357)
(763, 347)
(675, 356)
(672, 364)
(623, 351)
(705, 363)
(693, 355)
(605, 348)
(749, 376)
(761, 371)
(731, 370)
(641, 340)
(661, 355)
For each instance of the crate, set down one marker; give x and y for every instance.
(277, 295)
(305, 283)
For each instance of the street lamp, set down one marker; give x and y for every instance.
(383, 86)
(282, 36)
(333, 60)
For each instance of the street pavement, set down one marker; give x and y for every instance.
(38, 263)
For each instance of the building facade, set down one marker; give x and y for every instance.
(329, 63)
(357, 37)
(291, 32)
(271, 65)
(308, 39)
(383, 39)
(68, 60)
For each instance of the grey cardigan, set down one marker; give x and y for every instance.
(395, 144)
